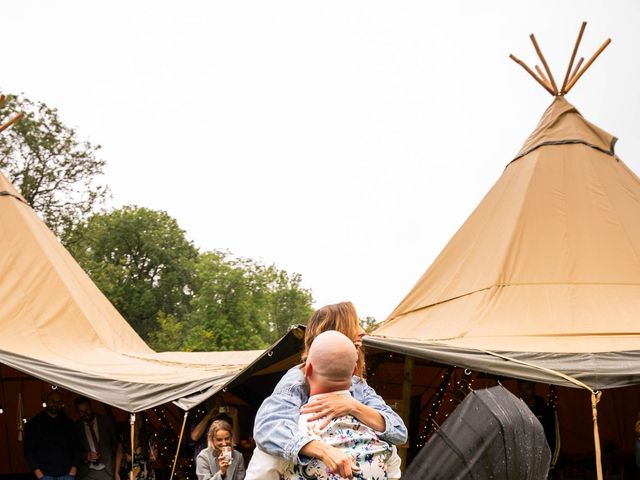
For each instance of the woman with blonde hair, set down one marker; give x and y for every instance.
(276, 429)
(219, 461)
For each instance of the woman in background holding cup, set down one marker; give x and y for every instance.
(219, 461)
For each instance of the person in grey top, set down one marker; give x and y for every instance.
(219, 461)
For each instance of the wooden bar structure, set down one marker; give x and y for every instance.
(575, 70)
(544, 63)
(587, 65)
(12, 120)
(530, 72)
(543, 77)
(573, 57)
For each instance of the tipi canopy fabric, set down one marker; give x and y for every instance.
(546, 270)
(56, 325)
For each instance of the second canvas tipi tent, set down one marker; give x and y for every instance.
(542, 281)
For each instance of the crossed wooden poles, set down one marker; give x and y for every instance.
(571, 77)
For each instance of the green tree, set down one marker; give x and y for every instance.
(291, 304)
(230, 308)
(141, 261)
(369, 324)
(54, 171)
(169, 336)
(238, 304)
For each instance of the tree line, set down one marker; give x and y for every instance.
(175, 296)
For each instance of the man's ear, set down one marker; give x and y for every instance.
(308, 370)
(354, 370)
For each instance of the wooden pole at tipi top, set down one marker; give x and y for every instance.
(575, 70)
(577, 76)
(544, 62)
(573, 57)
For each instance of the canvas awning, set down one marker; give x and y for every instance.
(57, 326)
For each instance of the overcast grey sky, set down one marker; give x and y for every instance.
(346, 141)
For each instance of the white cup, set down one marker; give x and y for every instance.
(226, 453)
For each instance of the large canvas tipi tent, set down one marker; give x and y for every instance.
(542, 281)
(546, 270)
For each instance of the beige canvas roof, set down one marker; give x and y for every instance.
(546, 268)
(56, 325)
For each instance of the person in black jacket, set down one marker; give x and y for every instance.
(51, 446)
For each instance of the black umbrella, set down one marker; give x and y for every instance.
(491, 435)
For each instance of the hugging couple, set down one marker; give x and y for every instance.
(323, 421)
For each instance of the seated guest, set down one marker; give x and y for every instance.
(360, 443)
(219, 461)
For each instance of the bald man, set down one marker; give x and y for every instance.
(329, 368)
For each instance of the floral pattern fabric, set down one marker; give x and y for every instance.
(346, 433)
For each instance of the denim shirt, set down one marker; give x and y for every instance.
(276, 428)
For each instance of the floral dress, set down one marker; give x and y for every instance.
(345, 433)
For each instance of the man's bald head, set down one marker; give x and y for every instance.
(333, 358)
